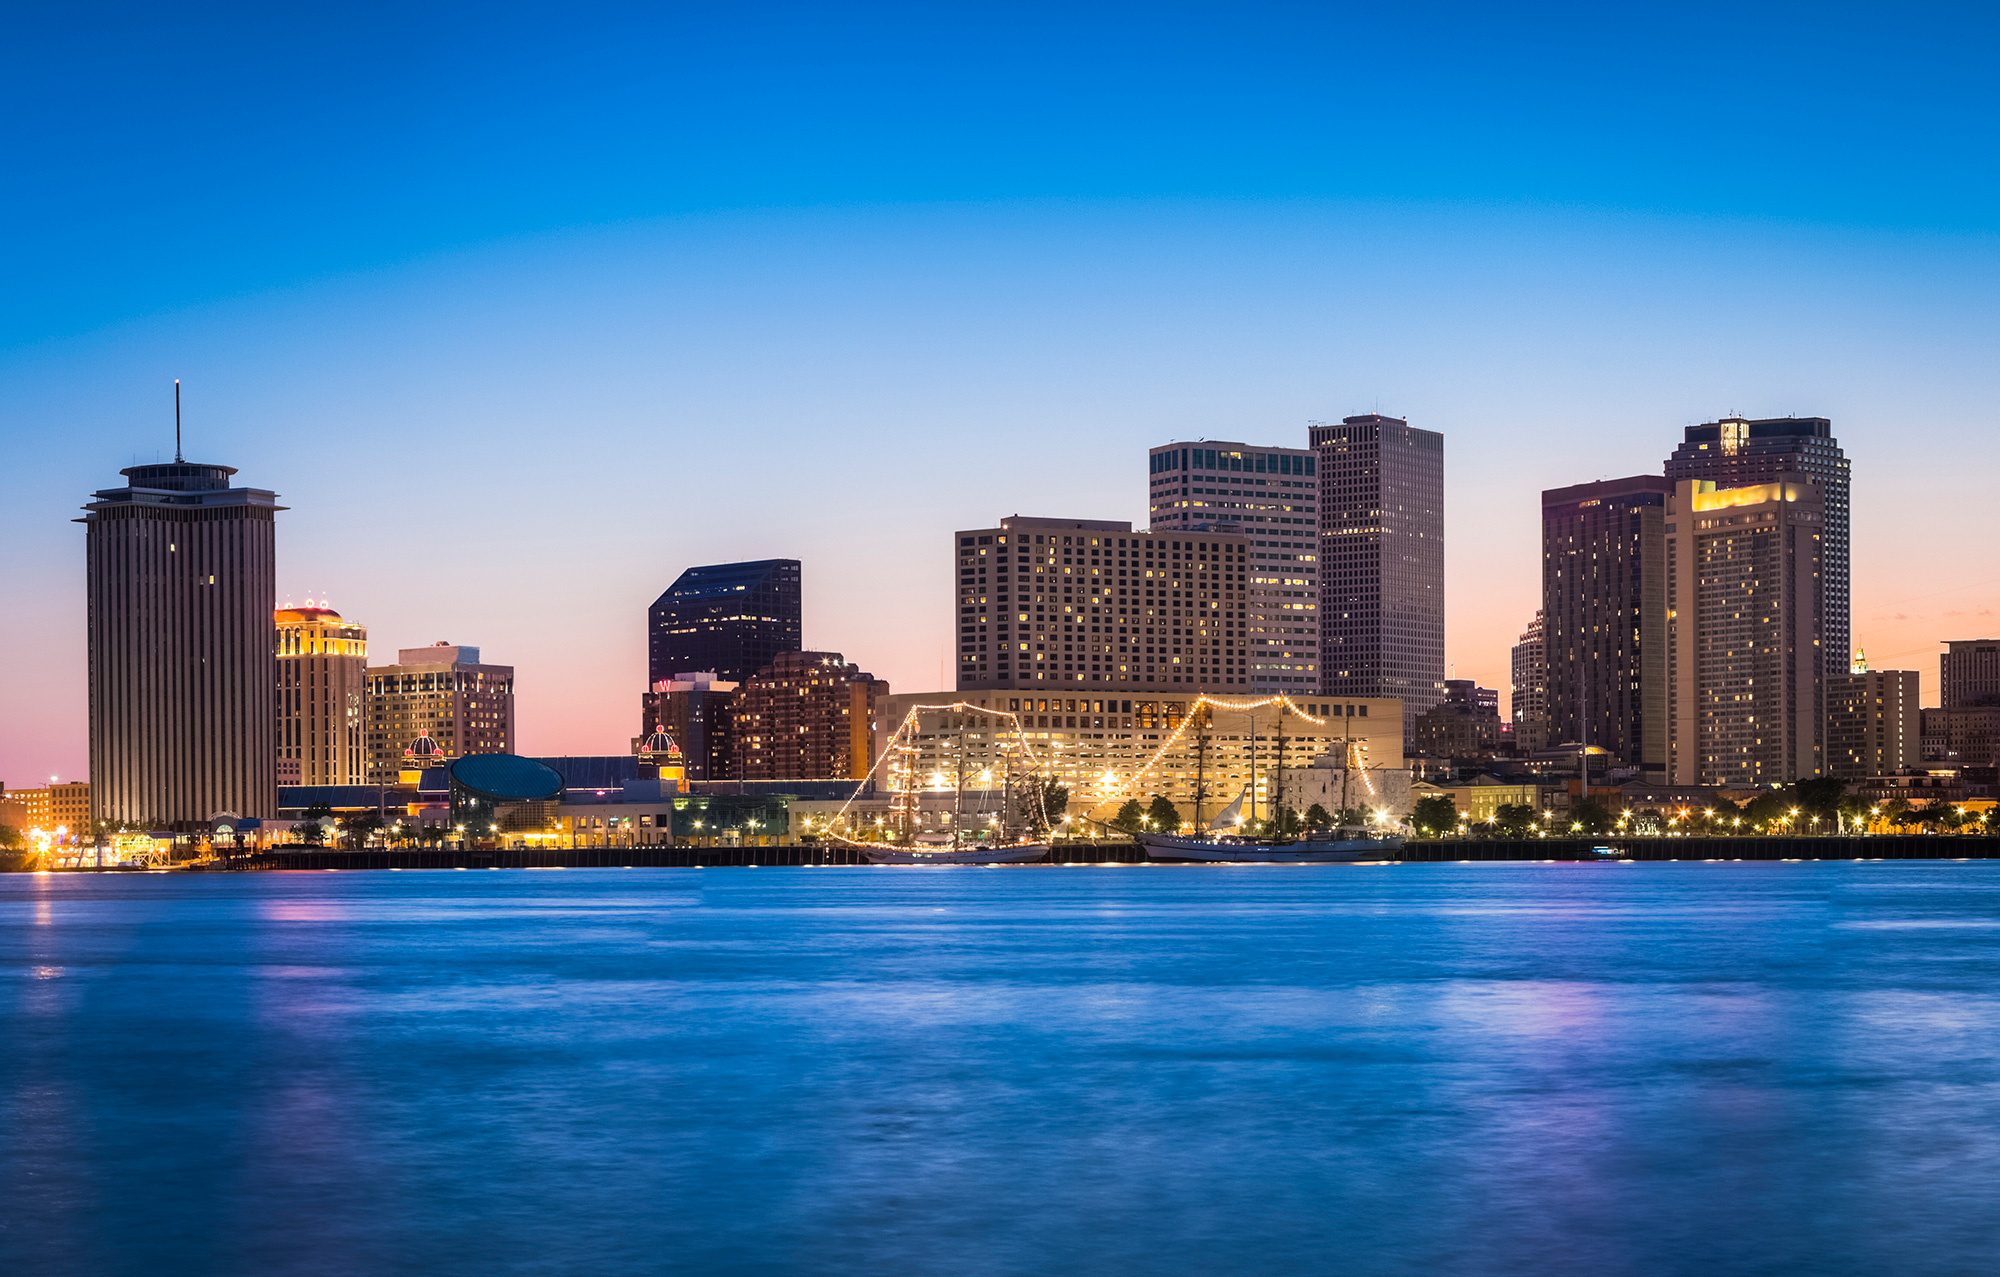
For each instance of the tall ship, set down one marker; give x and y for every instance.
(954, 846)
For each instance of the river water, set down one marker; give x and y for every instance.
(1418, 1069)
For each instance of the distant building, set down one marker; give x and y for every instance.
(322, 694)
(1969, 673)
(729, 618)
(1965, 734)
(1076, 605)
(442, 703)
(806, 716)
(1872, 724)
(1734, 452)
(1265, 490)
(1746, 703)
(57, 805)
(1528, 703)
(1381, 526)
(1465, 724)
(183, 678)
(1604, 617)
(698, 711)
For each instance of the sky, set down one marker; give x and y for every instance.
(524, 309)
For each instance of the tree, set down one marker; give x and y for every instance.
(1318, 817)
(1589, 816)
(1352, 817)
(1041, 805)
(1435, 816)
(1288, 821)
(10, 837)
(1129, 816)
(1163, 815)
(1769, 810)
(1820, 796)
(1515, 820)
(357, 828)
(318, 817)
(1936, 815)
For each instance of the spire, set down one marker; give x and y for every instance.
(177, 420)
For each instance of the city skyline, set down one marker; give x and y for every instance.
(568, 371)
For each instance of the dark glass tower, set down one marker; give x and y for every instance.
(1735, 452)
(182, 583)
(1381, 538)
(729, 619)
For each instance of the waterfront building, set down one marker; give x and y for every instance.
(1087, 604)
(57, 805)
(732, 619)
(1269, 492)
(1746, 703)
(1969, 673)
(698, 711)
(1966, 734)
(1736, 451)
(181, 584)
(806, 716)
(1604, 618)
(322, 694)
(1528, 701)
(1381, 526)
(1106, 750)
(1873, 726)
(436, 704)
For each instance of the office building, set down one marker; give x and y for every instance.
(1873, 726)
(1381, 526)
(1968, 735)
(1746, 703)
(63, 805)
(183, 675)
(729, 619)
(1969, 673)
(698, 711)
(806, 716)
(1465, 724)
(436, 704)
(1736, 451)
(1088, 603)
(1604, 618)
(1528, 704)
(322, 694)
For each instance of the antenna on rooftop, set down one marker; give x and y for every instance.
(177, 420)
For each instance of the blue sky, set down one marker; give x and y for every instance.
(523, 309)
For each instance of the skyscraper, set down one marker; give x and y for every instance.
(1269, 496)
(1093, 605)
(322, 693)
(1381, 528)
(1529, 703)
(1604, 617)
(1735, 451)
(806, 716)
(1746, 700)
(728, 619)
(183, 678)
(1872, 724)
(444, 695)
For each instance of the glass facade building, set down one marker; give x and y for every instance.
(728, 619)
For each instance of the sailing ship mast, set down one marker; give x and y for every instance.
(1200, 768)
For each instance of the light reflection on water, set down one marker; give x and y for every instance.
(1436, 1069)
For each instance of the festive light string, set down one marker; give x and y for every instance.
(911, 725)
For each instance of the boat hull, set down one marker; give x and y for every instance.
(1215, 851)
(1018, 855)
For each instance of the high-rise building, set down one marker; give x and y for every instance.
(1965, 734)
(444, 696)
(1381, 527)
(1528, 704)
(1746, 702)
(1872, 724)
(1736, 451)
(183, 677)
(729, 619)
(1604, 617)
(322, 694)
(807, 716)
(1465, 724)
(1969, 673)
(1268, 491)
(1083, 603)
(697, 710)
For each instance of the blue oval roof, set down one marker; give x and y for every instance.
(506, 777)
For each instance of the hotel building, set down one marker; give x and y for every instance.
(322, 698)
(1745, 698)
(806, 716)
(1736, 451)
(1381, 526)
(1604, 617)
(445, 694)
(1873, 724)
(1270, 497)
(183, 676)
(1088, 604)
